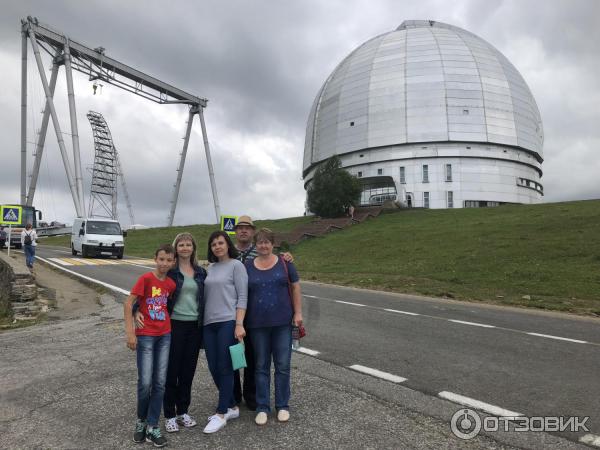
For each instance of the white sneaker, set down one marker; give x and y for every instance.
(214, 424)
(232, 413)
(171, 425)
(186, 420)
(283, 415)
(261, 418)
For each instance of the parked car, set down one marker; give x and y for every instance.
(96, 237)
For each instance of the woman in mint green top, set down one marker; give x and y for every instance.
(187, 314)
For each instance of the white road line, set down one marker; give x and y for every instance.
(402, 312)
(307, 351)
(138, 265)
(475, 324)
(486, 407)
(377, 373)
(349, 303)
(101, 283)
(310, 296)
(590, 439)
(60, 261)
(549, 336)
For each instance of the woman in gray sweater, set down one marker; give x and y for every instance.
(226, 293)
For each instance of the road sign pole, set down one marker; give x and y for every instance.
(9, 235)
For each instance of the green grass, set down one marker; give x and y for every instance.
(142, 243)
(549, 252)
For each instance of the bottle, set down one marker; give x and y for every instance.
(295, 338)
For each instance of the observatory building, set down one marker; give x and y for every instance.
(432, 116)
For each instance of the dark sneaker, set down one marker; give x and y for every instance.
(140, 431)
(153, 435)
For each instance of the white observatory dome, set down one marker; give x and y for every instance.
(430, 94)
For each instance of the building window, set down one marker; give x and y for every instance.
(425, 199)
(379, 171)
(450, 199)
(360, 156)
(402, 175)
(448, 172)
(359, 174)
(425, 173)
(351, 124)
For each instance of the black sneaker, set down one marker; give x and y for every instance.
(153, 435)
(140, 431)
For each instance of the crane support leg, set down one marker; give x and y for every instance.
(23, 117)
(211, 173)
(74, 129)
(186, 142)
(61, 142)
(39, 149)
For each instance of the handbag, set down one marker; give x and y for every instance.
(301, 329)
(238, 357)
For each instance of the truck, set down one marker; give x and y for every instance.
(29, 215)
(97, 237)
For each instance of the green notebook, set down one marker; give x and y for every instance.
(238, 358)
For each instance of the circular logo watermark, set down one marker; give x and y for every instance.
(465, 424)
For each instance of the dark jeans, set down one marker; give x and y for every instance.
(152, 361)
(29, 254)
(217, 339)
(275, 342)
(249, 386)
(186, 338)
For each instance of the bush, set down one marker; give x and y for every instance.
(332, 189)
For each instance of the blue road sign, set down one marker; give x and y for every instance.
(228, 224)
(10, 215)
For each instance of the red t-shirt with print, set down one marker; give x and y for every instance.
(152, 295)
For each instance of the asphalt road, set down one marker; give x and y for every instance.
(526, 362)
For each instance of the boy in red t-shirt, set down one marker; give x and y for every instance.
(152, 342)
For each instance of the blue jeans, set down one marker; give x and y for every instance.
(152, 362)
(275, 342)
(217, 339)
(29, 254)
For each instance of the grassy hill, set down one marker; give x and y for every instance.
(542, 256)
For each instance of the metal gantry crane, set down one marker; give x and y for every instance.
(98, 66)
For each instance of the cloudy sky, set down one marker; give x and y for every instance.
(260, 63)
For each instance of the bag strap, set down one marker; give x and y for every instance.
(287, 276)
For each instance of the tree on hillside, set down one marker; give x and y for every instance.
(332, 189)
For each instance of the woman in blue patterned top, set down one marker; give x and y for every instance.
(274, 304)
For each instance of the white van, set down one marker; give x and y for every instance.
(96, 237)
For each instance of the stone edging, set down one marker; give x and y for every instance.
(18, 290)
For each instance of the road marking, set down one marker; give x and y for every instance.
(310, 296)
(378, 373)
(475, 324)
(74, 262)
(486, 407)
(60, 261)
(549, 336)
(307, 351)
(349, 303)
(590, 439)
(402, 312)
(101, 283)
(103, 262)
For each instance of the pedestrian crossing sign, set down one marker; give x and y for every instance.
(228, 224)
(10, 215)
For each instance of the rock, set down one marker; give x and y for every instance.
(526, 297)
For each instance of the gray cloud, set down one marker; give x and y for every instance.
(260, 64)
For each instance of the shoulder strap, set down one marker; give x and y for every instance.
(287, 276)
